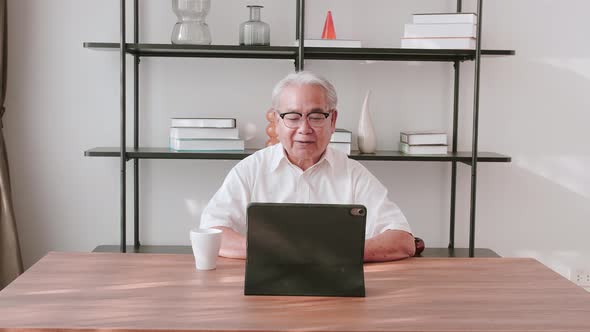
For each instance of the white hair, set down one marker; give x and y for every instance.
(305, 78)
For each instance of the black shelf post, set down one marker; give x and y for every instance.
(457, 69)
(122, 122)
(136, 59)
(300, 33)
(475, 132)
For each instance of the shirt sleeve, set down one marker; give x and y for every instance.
(382, 213)
(227, 207)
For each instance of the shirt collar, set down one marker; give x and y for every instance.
(279, 156)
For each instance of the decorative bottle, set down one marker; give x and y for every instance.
(191, 27)
(254, 32)
(367, 141)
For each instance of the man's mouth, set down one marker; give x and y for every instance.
(305, 142)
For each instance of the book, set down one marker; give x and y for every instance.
(434, 18)
(329, 43)
(422, 149)
(203, 132)
(342, 146)
(440, 30)
(341, 136)
(423, 137)
(439, 43)
(207, 144)
(203, 122)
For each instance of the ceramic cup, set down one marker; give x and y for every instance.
(206, 244)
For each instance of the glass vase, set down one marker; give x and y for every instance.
(254, 32)
(191, 27)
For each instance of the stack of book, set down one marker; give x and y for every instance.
(422, 142)
(341, 140)
(441, 31)
(205, 134)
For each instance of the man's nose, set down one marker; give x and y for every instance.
(304, 126)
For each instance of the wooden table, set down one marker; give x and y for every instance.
(148, 292)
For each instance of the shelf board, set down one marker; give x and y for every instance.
(166, 153)
(396, 54)
(200, 51)
(428, 252)
(290, 52)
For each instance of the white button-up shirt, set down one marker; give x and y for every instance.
(268, 176)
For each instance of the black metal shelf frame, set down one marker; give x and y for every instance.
(290, 52)
(167, 153)
(298, 54)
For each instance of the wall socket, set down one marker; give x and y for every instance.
(580, 276)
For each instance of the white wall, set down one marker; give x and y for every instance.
(63, 99)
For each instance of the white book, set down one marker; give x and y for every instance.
(203, 122)
(329, 43)
(427, 18)
(344, 147)
(207, 144)
(422, 149)
(423, 137)
(341, 136)
(440, 30)
(439, 43)
(203, 132)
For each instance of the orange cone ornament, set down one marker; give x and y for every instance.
(329, 32)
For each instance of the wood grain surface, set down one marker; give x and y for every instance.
(149, 292)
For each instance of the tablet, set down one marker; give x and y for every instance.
(305, 249)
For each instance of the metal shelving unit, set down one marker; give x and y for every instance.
(298, 55)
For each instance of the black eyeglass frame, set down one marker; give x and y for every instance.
(325, 114)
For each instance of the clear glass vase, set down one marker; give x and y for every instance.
(254, 31)
(191, 27)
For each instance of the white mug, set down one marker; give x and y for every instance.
(206, 244)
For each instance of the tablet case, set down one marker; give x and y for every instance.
(305, 249)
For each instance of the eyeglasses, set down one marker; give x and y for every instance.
(315, 119)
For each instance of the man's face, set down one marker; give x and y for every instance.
(305, 141)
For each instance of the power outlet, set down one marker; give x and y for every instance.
(580, 276)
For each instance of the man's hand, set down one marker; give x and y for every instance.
(233, 245)
(390, 245)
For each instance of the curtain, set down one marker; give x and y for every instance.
(11, 264)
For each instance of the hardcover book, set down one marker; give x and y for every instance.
(342, 146)
(207, 144)
(423, 137)
(439, 43)
(428, 18)
(203, 132)
(422, 149)
(465, 30)
(341, 136)
(203, 122)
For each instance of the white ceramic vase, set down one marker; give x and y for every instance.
(367, 141)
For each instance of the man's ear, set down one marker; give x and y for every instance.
(276, 117)
(334, 117)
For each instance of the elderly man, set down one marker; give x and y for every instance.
(302, 169)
